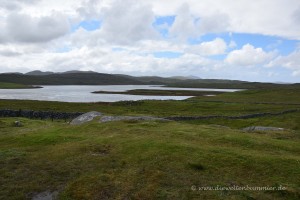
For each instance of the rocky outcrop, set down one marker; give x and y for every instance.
(17, 124)
(262, 128)
(91, 115)
(47, 195)
(39, 114)
(130, 118)
(86, 117)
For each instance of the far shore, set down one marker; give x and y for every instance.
(4, 85)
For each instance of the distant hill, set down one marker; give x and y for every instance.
(12, 73)
(185, 77)
(94, 78)
(155, 80)
(38, 73)
(41, 73)
(69, 79)
(78, 72)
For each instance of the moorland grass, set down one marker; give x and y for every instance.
(143, 160)
(154, 160)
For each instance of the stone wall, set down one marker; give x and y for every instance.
(39, 114)
(183, 118)
(71, 115)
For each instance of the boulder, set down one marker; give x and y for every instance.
(47, 195)
(262, 128)
(18, 124)
(85, 118)
(129, 118)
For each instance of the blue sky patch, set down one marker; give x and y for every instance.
(116, 49)
(218, 57)
(169, 20)
(89, 25)
(63, 49)
(267, 43)
(167, 54)
(162, 24)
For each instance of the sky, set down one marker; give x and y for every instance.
(252, 40)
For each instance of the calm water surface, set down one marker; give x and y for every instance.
(82, 93)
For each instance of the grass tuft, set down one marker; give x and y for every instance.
(196, 166)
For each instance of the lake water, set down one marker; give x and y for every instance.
(82, 93)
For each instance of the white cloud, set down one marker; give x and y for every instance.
(128, 22)
(214, 23)
(296, 16)
(9, 51)
(24, 28)
(190, 25)
(216, 47)
(211, 16)
(243, 16)
(232, 44)
(35, 34)
(89, 9)
(15, 4)
(249, 56)
(291, 62)
(47, 7)
(185, 24)
(108, 61)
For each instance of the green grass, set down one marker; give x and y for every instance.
(287, 121)
(143, 160)
(154, 160)
(290, 94)
(153, 108)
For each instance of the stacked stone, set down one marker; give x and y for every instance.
(39, 114)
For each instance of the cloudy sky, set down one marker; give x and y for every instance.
(256, 40)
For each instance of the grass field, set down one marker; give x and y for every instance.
(155, 160)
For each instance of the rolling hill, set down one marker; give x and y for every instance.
(94, 78)
(69, 79)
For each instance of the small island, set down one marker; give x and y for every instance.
(163, 92)
(5, 85)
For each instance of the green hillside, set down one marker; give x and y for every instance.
(94, 78)
(68, 79)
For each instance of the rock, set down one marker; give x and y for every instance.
(219, 126)
(46, 196)
(128, 118)
(85, 118)
(18, 124)
(262, 128)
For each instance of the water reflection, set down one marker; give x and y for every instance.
(82, 93)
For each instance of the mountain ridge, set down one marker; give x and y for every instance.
(75, 77)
